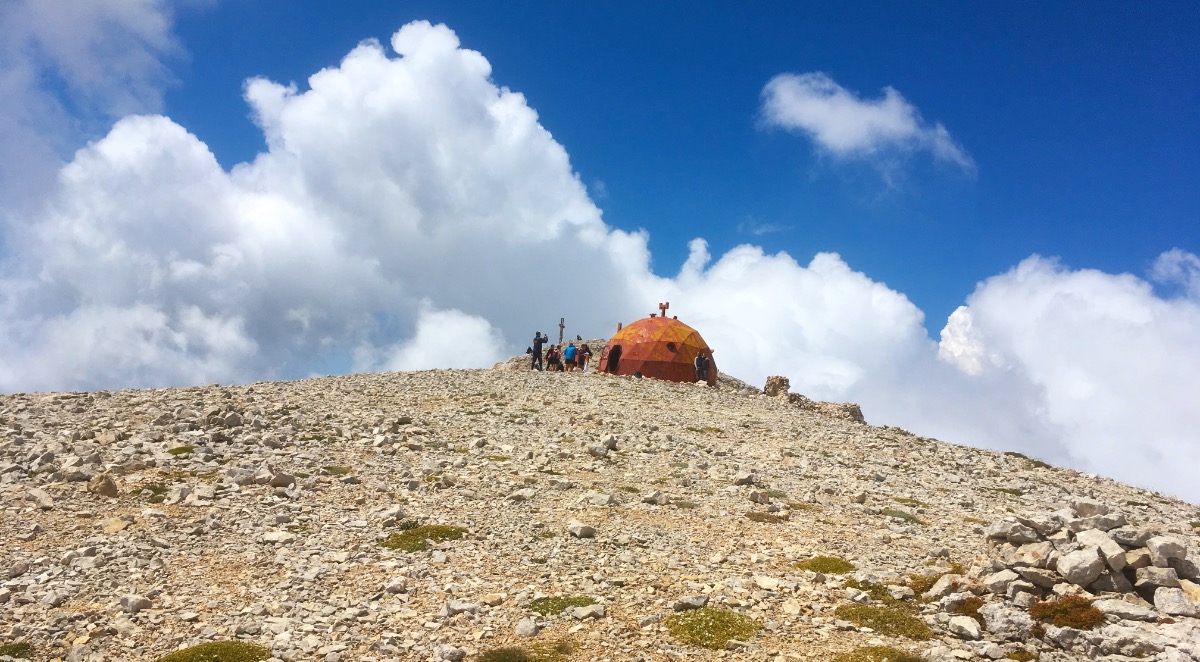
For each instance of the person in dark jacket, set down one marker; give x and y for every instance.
(538, 341)
(701, 364)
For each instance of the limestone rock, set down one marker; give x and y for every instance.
(1081, 567)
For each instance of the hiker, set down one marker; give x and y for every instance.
(569, 356)
(585, 357)
(553, 359)
(538, 341)
(701, 364)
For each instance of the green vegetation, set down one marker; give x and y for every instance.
(417, 538)
(684, 504)
(19, 649)
(877, 654)
(1032, 462)
(777, 494)
(766, 518)
(679, 465)
(554, 651)
(1136, 504)
(711, 627)
(1008, 490)
(910, 502)
(876, 591)
(158, 492)
(830, 565)
(220, 651)
(893, 620)
(1070, 611)
(335, 470)
(556, 604)
(1021, 656)
(629, 488)
(974, 520)
(181, 450)
(970, 607)
(546, 534)
(900, 514)
(920, 583)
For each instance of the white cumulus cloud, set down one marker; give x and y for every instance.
(845, 125)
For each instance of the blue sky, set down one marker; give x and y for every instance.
(978, 221)
(1082, 118)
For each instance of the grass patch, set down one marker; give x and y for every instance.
(298, 528)
(910, 502)
(889, 620)
(829, 565)
(19, 649)
(1021, 656)
(498, 458)
(685, 505)
(679, 465)
(1136, 504)
(711, 627)
(777, 494)
(219, 651)
(876, 591)
(974, 520)
(707, 429)
(1195, 524)
(900, 514)
(629, 488)
(877, 654)
(1070, 611)
(554, 651)
(181, 450)
(809, 507)
(766, 518)
(336, 470)
(417, 538)
(545, 534)
(1009, 490)
(556, 604)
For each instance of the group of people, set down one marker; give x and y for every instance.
(557, 357)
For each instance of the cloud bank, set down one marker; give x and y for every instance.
(105, 58)
(406, 212)
(846, 126)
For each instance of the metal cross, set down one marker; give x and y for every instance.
(562, 324)
(663, 307)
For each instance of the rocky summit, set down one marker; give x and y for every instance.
(505, 514)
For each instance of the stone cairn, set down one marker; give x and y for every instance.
(777, 386)
(1132, 574)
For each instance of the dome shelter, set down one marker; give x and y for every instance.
(658, 347)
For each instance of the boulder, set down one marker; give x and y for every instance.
(1164, 548)
(1081, 567)
(1006, 622)
(1112, 553)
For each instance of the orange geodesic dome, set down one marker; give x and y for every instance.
(658, 347)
